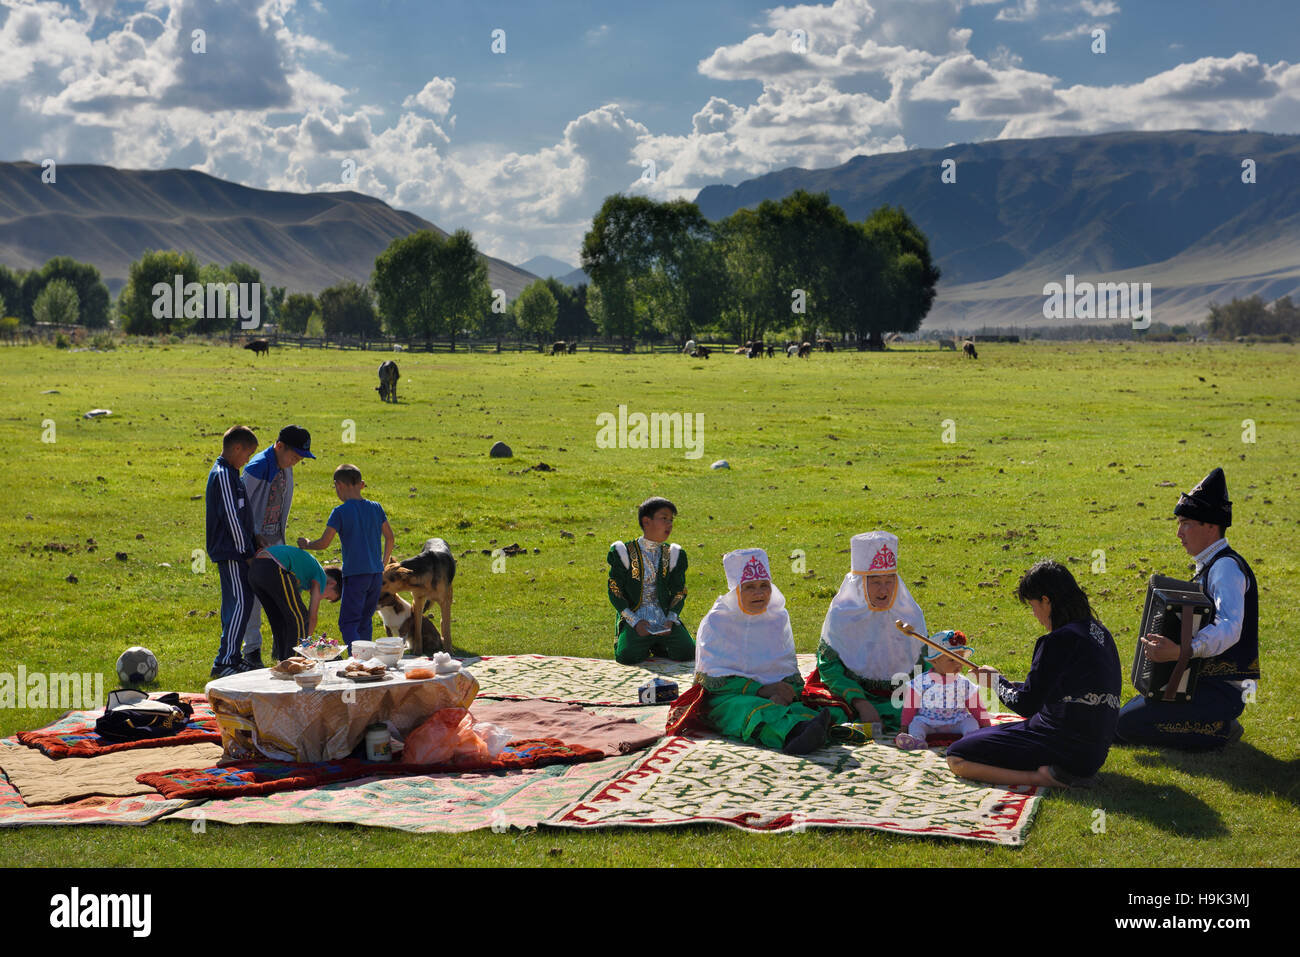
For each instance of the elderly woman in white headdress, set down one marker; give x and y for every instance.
(862, 652)
(747, 682)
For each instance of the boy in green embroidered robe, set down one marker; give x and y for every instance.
(746, 663)
(863, 658)
(647, 587)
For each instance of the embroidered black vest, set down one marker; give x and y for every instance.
(1241, 661)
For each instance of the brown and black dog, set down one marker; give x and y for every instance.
(428, 577)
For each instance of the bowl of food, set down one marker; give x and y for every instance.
(308, 679)
(320, 649)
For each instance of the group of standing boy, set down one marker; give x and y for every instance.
(247, 519)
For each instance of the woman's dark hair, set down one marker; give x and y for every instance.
(1054, 581)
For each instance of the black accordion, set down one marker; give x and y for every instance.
(1177, 610)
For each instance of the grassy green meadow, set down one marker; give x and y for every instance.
(1059, 450)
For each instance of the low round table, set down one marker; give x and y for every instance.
(261, 716)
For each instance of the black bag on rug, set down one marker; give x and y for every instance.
(132, 715)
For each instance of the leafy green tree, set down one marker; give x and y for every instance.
(617, 251)
(348, 309)
(907, 288)
(11, 290)
(405, 282)
(464, 294)
(57, 303)
(536, 311)
(136, 303)
(491, 324)
(572, 322)
(275, 306)
(753, 298)
(92, 294)
(296, 311)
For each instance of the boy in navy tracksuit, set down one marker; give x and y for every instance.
(231, 543)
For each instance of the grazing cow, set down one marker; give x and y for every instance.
(559, 348)
(771, 351)
(947, 344)
(741, 350)
(259, 346)
(826, 345)
(690, 347)
(805, 350)
(756, 349)
(968, 348)
(573, 347)
(702, 352)
(388, 376)
(791, 348)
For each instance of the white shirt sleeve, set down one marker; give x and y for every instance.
(1227, 588)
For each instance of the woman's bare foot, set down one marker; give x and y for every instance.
(1046, 780)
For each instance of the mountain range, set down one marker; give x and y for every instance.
(108, 217)
(1169, 208)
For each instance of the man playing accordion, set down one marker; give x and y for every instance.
(1229, 645)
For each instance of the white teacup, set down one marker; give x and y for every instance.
(361, 650)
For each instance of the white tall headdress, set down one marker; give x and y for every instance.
(867, 640)
(730, 641)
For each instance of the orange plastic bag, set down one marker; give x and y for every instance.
(448, 737)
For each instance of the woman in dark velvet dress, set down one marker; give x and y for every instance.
(1070, 696)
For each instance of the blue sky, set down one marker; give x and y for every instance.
(520, 147)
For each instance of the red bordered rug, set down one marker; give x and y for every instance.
(875, 786)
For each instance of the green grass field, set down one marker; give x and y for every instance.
(1060, 450)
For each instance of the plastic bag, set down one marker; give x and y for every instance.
(494, 736)
(448, 737)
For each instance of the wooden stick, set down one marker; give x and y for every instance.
(909, 630)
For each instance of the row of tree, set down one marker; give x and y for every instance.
(658, 269)
(1252, 317)
(63, 291)
(798, 262)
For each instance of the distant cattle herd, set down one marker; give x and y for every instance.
(754, 349)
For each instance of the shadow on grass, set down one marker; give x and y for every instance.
(1165, 806)
(1241, 766)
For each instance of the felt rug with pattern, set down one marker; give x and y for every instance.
(44, 780)
(139, 809)
(876, 786)
(73, 735)
(423, 804)
(585, 681)
(268, 777)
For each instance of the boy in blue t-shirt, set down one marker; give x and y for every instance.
(359, 524)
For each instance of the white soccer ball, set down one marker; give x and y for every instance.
(137, 665)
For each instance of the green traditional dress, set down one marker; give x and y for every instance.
(739, 653)
(732, 706)
(862, 654)
(647, 582)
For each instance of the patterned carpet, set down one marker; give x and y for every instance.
(679, 781)
(715, 781)
(585, 681)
